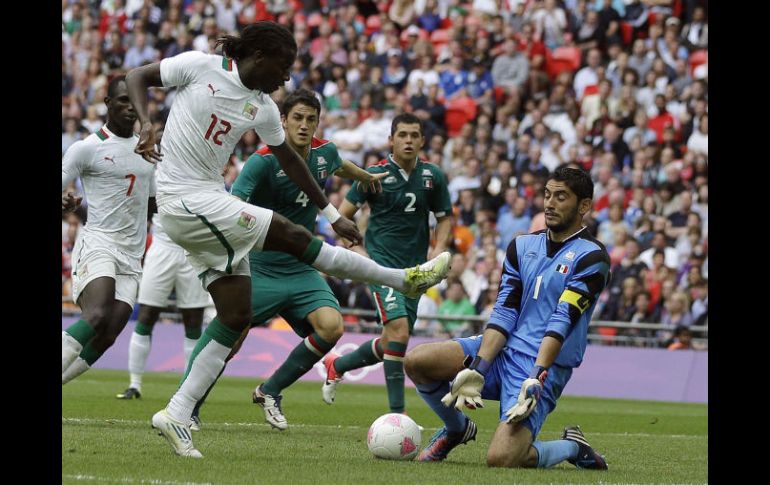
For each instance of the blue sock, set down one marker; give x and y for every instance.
(549, 453)
(432, 393)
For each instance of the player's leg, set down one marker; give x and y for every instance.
(285, 236)
(192, 318)
(139, 347)
(95, 301)
(105, 336)
(431, 367)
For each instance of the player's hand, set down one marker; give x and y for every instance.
(148, 144)
(466, 390)
(348, 230)
(373, 183)
(69, 202)
(528, 395)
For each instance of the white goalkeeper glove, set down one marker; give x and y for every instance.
(528, 396)
(467, 386)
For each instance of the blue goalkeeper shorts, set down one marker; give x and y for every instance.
(505, 376)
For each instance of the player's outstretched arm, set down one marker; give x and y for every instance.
(367, 181)
(137, 82)
(296, 169)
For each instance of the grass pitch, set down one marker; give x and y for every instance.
(106, 440)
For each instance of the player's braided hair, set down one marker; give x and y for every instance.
(269, 38)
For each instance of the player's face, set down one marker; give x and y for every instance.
(268, 73)
(407, 141)
(119, 108)
(561, 207)
(300, 125)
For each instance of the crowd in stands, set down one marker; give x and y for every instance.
(508, 90)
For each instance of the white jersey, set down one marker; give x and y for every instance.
(211, 111)
(117, 183)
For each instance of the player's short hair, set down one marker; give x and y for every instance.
(300, 96)
(112, 87)
(269, 38)
(578, 181)
(407, 118)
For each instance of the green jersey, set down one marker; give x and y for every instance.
(398, 235)
(263, 182)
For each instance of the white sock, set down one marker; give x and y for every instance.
(77, 367)
(203, 372)
(138, 351)
(341, 262)
(189, 345)
(70, 349)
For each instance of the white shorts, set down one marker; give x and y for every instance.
(91, 259)
(217, 230)
(165, 268)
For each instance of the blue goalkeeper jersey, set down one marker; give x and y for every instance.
(550, 288)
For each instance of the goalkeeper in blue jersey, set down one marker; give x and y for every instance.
(533, 340)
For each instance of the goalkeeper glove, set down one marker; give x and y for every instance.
(467, 386)
(528, 396)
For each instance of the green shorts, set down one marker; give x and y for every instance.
(291, 297)
(392, 304)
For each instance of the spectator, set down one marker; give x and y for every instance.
(457, 304)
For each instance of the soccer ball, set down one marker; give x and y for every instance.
(394, 436)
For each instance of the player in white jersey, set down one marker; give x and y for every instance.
(106, 259)
(165, 269)
(218, 99)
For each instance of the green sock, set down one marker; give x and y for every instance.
(361, 357)
(393, 363)
(81, 331)
(214, 331)
(300, 360)
(90, 354)
(142, 329)
(192, 333)
(311, 251)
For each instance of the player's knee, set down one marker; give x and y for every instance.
(331, 330)
(498, 457)
(414, 361)
(98, 317)
(236, 318)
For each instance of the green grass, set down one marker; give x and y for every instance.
(106, 440)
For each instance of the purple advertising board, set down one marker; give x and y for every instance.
(611, 372)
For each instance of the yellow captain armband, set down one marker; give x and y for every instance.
(581, 302)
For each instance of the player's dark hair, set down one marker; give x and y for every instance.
(407, 118)
(112, 87)
(300, 96)
(578, 181)
(269, 38)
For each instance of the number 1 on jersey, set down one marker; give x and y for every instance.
(537, 287)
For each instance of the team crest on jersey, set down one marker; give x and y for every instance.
(427, 183)
(570, 255)
(247, 220)
(427, 173)
(280, 173)
(322, 173)
(250, 110)
(561, 268)
(389, 180)
(321, 161)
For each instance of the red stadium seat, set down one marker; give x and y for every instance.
(697, 58)
(627, 32)
(373, 24)
(562, 59)
(439, 37)
(455, 119)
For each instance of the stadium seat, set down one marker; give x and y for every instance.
(627, 32)
(373, 24)
(455, 119)
(562, 59)
(697, 58)
(439, 37)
